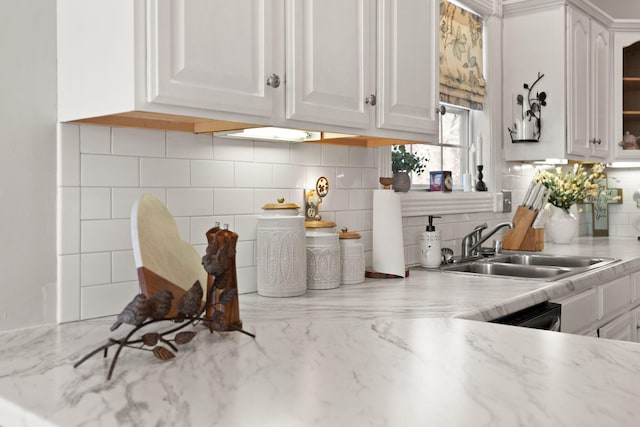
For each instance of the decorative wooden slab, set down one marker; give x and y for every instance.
(600, 206)
(163, 259)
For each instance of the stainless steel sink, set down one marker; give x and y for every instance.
(531, 266)
(513, 270)
(553, 260)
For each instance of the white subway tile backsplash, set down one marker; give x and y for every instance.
(306, 154)
(336, 200)
(106, 300)
(370, 178)
(229, 201)
(105, 235)
(189, 145)
(360, 199)
(244, 253)
(253, 175)
(335, 155)
(164, 172)
(95, 139)
(68, 300)
(212, 173)
(108, 171)
(362, 157)
(272, 151)
(123, 266)
(95, 203)
(138, 142)
(190, 201)
(201, 179)
(367, 219)
(288, 176)
(245, 226)
(350, 219)
(348, 178)
(68, 241)
(68, 152)
(233, 149)
(124, 198)
(247, 281)
(95, 268)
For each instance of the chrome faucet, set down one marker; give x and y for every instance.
(472, 242)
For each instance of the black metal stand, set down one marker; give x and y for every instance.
(480, 185)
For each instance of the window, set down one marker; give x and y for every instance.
(452, 151)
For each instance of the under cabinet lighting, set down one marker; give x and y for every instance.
(621, 165)
(552, 162)
(273, 134)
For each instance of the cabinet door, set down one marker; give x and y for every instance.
(601, 99)
(579, 311)
(621, 328)
(578, 84)
(328, 57)
(407, 65)
(212, 54)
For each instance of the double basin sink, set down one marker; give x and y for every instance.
(530, 266)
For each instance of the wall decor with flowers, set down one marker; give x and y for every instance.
(527, 109)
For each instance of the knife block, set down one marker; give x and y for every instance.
(523, 236)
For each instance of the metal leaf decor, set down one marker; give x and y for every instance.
(162, 353)
(150, 339)
(184, 337)
(174, 334)
(227, 296)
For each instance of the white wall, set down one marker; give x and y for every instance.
(27, 163)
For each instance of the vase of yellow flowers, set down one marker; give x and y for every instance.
(568, 186)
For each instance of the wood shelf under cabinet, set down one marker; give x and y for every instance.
(171, 122)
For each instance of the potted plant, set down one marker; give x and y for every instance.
(403, 163)
(568, 186)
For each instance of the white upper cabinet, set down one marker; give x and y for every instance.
(574, 54)
(408, 65)
(589, 77)
(351, 66)
(213, 54)
(329, 61)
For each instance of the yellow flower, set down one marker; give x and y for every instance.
(571, 186)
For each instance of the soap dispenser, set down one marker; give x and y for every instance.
(429, 242)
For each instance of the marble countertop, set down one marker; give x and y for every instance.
(438, 294)
(375, 354)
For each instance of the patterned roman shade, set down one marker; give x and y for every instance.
(461, 79)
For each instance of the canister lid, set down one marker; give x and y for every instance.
(280, 204)
(319, 224)
(346, 234)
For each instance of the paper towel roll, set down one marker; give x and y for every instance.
(388, 247)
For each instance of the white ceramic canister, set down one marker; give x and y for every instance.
(281, 258)
(351, 258)
(323, 260)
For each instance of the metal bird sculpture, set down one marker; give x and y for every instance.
(160, 304)
(134, 313)
(189, 303)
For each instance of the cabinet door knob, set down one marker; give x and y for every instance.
(592, 141)
(442, 110)
(273, 80)
(597, 141)
(370, 100)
